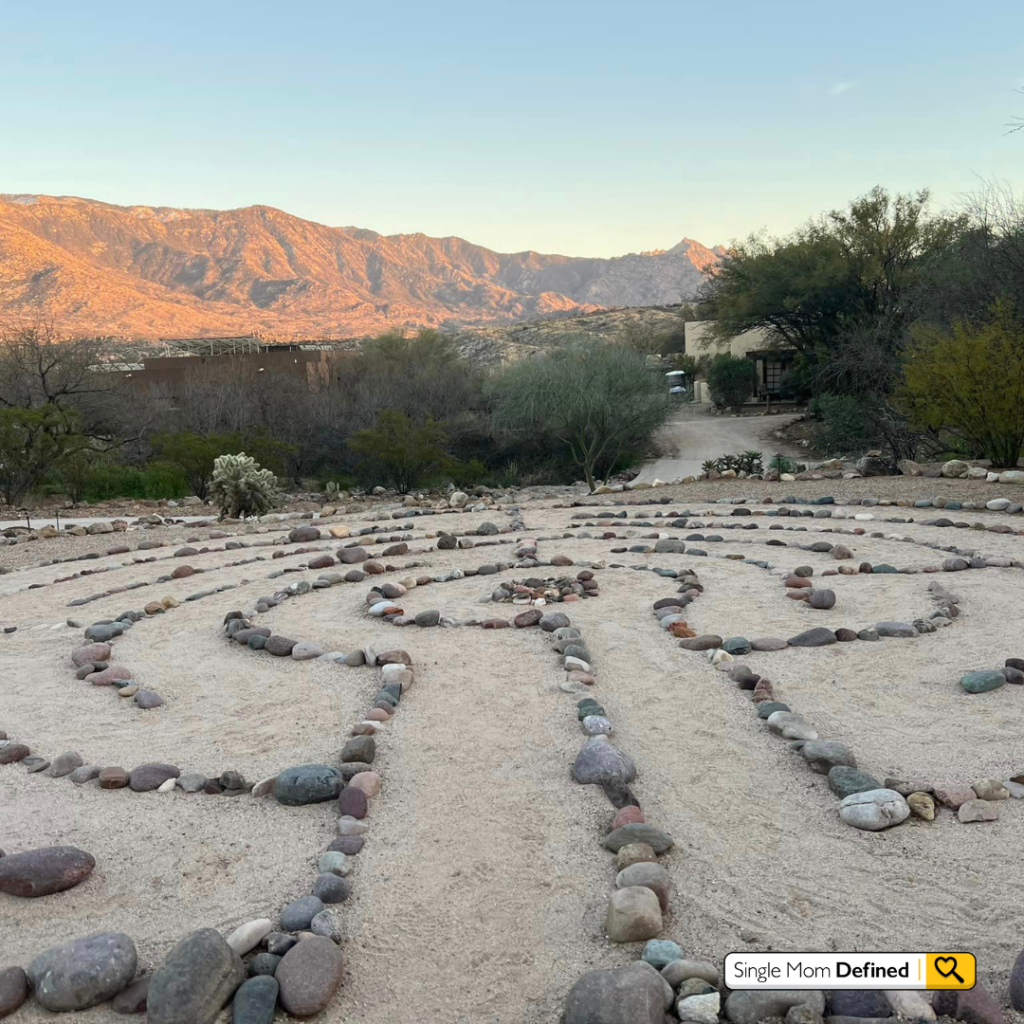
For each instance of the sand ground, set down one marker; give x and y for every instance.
(481, 892)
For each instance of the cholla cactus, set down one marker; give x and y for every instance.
(240, 487)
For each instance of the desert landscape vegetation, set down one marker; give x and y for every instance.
(399, 628)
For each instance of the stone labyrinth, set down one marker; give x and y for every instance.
(510, 764)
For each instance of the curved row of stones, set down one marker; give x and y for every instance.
(944, 504)
(297, 965)
(865, 803)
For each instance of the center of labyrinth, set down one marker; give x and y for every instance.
(430, 784)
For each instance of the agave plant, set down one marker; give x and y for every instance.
(750, 461)
(709, 466)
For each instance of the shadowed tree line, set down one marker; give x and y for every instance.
(908, 324)
(404, 411)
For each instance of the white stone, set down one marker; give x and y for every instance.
(873, 809)
(245, 938)
(1015, 789)
(1012, 476)
(998, 504)
(264, 786)
(910, 1004)
(791, 726)
(577, 665)
(863, 517)
(167, 787)
(992, 478)
(701, 1009)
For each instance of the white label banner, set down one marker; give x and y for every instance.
(848, 971)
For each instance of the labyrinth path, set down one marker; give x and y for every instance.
(506, 748)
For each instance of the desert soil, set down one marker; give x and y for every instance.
(481, 892)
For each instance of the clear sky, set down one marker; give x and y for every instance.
(588, 128)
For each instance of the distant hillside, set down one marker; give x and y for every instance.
(150, 272)
(491, 346)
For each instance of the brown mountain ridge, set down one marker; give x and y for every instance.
(151, 272)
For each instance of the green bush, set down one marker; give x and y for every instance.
(159, 480)
(730, 380)
(400, 452)
(845, 422)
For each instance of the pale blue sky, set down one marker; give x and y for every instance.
(589, 128)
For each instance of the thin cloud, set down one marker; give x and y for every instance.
(840, 87)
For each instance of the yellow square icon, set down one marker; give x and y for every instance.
(950, 970)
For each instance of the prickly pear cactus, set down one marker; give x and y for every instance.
(240, 487)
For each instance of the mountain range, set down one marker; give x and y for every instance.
(156, 272)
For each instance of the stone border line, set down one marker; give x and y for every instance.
(299, 965)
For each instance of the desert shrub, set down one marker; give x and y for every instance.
(592, 406)
(782, 464)
(730, 380)
(400, 451)
(845, 422)
(33, 442)
(240, 487)
(970, 381)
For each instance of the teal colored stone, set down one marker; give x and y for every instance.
(769, 707)
(661, 952)
(256, 642)
(981, 682)
(883, 568)
(737, 645)
(843, 781)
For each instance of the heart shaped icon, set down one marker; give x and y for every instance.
(942, 960)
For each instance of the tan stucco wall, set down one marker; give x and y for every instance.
(698, 341)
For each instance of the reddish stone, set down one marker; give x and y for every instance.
(89, 653)
(578, 676)
(496, 624)
(376, 715)
(561, 560)
(798, 581)
(681, 629)
(762, 691)
(13, 752)
(569, 598)
(46, 871)
(528, 618)
(322, 562)
(182, 571)
(373, 568)
(113, 778)
(352, 801)
(109, 676)
(629, 815)
(362, 730)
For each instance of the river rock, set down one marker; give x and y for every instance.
(817, 637)
(968, 811)
(148, 777)
(331, 888)
(255, 1001)
(860, 1003)
(309, 975)
(246, 937)
(974, 1006)
(1016, 983)
(990, 789)
(600, 762)
(44, 871)
(844, 781)
(198, 977)
(359, 748)
(14, 989)
(791, 726)
(822, 599)
(84, 972)
(874, 809)
(824, 755)
(895, 629)
(133, 998)
(679, 971)
(636, 994)
(89, 654)
(297, 915)
(307, 784)
(751, 1007)
(982, 682)
(910, 1004)
(647, 875)
(634, 914)
(922, 806)
(65, 764)
(638, 833)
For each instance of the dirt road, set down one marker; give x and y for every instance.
(695, 434)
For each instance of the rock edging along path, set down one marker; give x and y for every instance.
(865, 803)
(299, 965)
